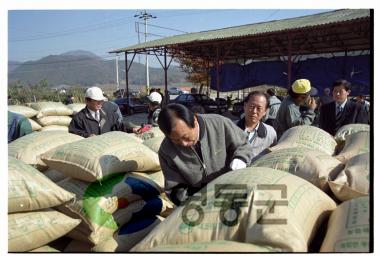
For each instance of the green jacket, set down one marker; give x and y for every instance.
(220, 142)
(289, 115)
(18, 126)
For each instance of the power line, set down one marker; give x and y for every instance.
(116, 40)
(192, 13)
(99, 26)
(270, 15)
(68, 32)
(151, 25)
(145, 16)
(113, 21)
(152, 34)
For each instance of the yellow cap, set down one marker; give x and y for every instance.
(301, 86)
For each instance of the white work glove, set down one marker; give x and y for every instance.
(237, 164)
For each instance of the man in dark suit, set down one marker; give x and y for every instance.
(342, 111)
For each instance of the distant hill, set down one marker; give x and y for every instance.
(12, 65)
(80, 53)
(86, 69)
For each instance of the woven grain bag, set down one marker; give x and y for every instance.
(312, 165)
(23, 110)
(128, 235)
(97, 202)
(213, 246)
(353, 181)
(54, 120)
(348, 228)
(34, 124)
(55, 128)
(30, 230)
(141, 209)
(95, 157)
(54, 175)
(51, 109)
(102, 232)
(29, 189)
(152, 176)
(355, 144)
(76, 107)
(44, 249)
(306, 136)
(29, 147)
(152, 133)
(238, 206)
(154, 143)
(346, 130)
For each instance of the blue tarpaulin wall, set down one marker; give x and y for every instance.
(320, 71)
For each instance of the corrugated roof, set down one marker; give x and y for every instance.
(256, 29)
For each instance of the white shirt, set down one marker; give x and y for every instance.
(260, 144)
(342, 105)
(93, 114)
(252, 134)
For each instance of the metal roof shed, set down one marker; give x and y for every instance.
(337, 31)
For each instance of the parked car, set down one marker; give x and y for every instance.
(238, 108)
(208, 104)
(221, 101)
(175, 91)
(121, 92)
(134, 105)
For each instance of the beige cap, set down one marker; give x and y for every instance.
(95, 93)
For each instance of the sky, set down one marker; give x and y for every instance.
(33, 34)
(32, 29)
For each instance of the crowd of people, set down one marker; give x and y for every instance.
(199, 147)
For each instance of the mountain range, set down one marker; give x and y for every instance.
(84, 68)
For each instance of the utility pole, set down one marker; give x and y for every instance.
(137, 29)
(117, 73)
(146, 16)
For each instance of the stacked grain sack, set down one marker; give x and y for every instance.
(27, 112)
(152, 138)
(252, 209)
(52, 115)
(349, 226)
(153, 132)
(354, 146)
(76, 107)
(118, 187)
(338, 165)
(30, 147)
(305, 151)
(31, 222)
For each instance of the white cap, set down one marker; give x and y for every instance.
(155, 97)
(95, 93)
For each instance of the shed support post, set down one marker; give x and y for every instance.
(289, 61)
(126, 77)
(217, 74)
(166, 78)
(208, 78)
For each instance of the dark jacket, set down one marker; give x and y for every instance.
(220, 141)
(153, 116)
(115, 108)
(352, 113)
(83, 124)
